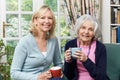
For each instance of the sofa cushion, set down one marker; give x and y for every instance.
(113, 61)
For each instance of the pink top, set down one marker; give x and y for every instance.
(83, 73)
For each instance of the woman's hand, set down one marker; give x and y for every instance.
(80, 56)
(45, 76)
(68, 55)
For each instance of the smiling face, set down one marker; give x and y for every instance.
(86, 32)
(45, 21)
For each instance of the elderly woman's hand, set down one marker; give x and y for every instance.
(80, 56)
(68, 55)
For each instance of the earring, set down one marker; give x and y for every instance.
(36, 25)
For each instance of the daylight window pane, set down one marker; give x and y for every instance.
(12, 31)
(64, 28)
(25, 23)
(11, 5)
(12, 43)
(62, 46)
(52, 4)
(27, 5)
(56, 26)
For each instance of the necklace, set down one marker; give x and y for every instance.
(78, 45)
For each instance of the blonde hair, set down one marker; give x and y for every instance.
(39, 12)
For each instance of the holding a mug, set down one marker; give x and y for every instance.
(34, 54)
(74, 50)
(56, 72)
(90, 62)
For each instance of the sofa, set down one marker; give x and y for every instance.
(1, 77)
(113, 61)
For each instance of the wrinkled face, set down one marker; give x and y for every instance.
(86, 32)
(45, 22)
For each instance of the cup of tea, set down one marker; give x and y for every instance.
(74, 49)
(56, 71)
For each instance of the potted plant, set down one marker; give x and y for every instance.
(7, 51)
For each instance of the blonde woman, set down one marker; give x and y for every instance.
(35, 53)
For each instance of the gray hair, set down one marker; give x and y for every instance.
(90, 18)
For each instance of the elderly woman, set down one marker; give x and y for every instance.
(90, 62)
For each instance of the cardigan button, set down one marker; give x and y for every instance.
(44, 63)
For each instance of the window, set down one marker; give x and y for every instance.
(16, 15)
(16, 19)
(62, 30)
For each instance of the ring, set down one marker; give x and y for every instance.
(80, 58)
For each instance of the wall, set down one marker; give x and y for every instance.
(106, 21)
